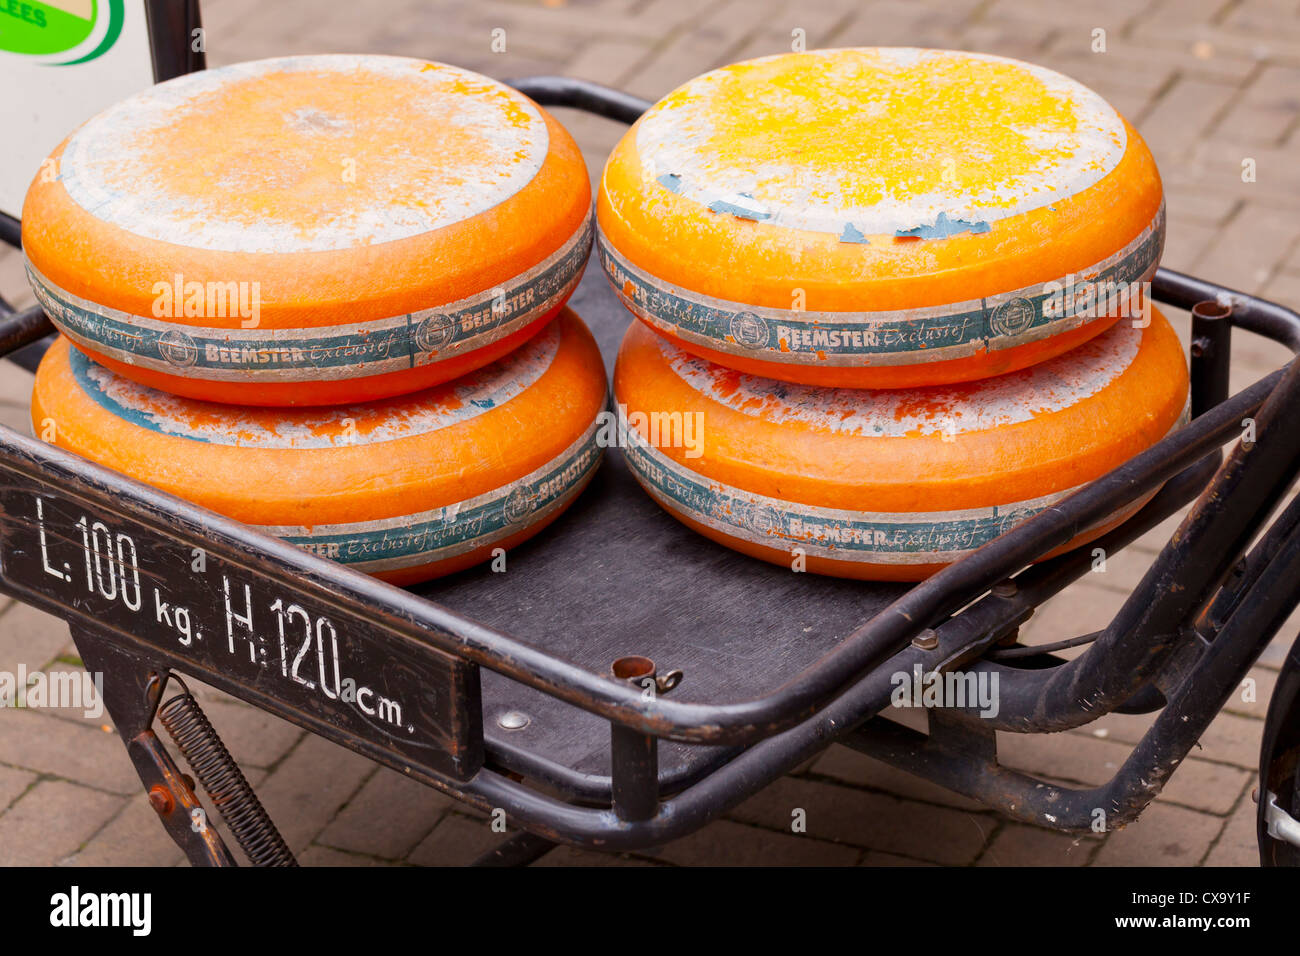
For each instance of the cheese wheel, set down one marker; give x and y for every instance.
(309, 230)
(404, 488)
(889, 484)
(881, 218)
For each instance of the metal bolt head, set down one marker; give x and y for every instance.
(927, 640)
(1004, 589)
(514, 720)
(160, 798)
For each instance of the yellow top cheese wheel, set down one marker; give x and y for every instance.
(889, 484)
(404, 488)
(309, 230)
(882, 217)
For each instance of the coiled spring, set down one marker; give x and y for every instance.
(224, 782)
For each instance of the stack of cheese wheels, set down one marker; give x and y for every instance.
(879, 218)
(360, 258)
(309, 230)
(404, 488)
(895, 298)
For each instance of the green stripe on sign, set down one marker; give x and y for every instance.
(116, 16)
(39, 29)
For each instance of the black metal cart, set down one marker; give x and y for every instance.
(627, 681)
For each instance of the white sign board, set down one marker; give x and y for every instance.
(61, 62)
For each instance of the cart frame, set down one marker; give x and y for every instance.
(1181, 644)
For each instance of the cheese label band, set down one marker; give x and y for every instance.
(413, 540)
(326, 353)
(938, 537)
(902, 337)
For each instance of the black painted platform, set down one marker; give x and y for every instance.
(616, 575)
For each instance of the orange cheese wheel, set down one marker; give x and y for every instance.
(882, 217)
(309, 230)
(889, 484)
(403, 488)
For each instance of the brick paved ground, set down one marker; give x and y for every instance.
(1210, 83)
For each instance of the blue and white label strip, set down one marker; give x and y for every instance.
(935, 537)
(412, 540)
(947, 410)
(325, 426)
(899, 337)
(325, 353)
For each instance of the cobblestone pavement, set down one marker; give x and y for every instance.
(1210, 83)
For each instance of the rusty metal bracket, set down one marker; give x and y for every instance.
(131, 700)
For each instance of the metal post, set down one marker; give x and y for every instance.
(1211, 354)
(634, 756)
